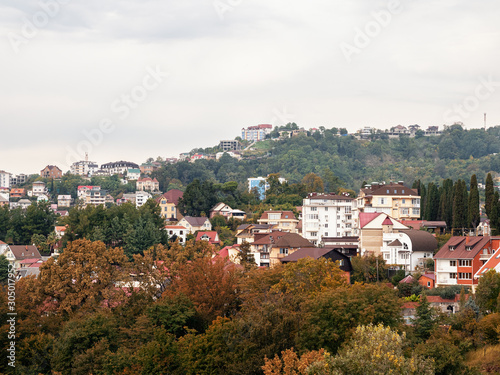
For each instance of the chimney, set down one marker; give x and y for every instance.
(26, 247)
(467, 240)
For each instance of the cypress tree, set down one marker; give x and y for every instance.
(446, 202)
(459, 205)
(489, 193)
(432, 202)
(423, 200)
(473, 203)
(494, 213)
(465, 199)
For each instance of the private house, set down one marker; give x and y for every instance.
(372, 228)
(210, 236)
(261, 247)
(147, 168)
(133, 174)
(461, 258)
(407, 249)
(17, 193)
(194, 224)
(231, 253)
(51, 171)
(286, 245)
(176, 232)
(126, 198)
(4, 201)
(64, 200)
(282, 220)
(38, 189)
(393, 199)
(247, 232)
(326, 215)
(324, 252)
(17, 253)
(226, 211)
(147, 183)
(29, 267)
(168, 203)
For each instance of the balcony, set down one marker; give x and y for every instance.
(484, 256)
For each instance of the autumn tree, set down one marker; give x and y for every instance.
(487, 292)
(373, 349)
(83, 277)
(246, 258)
(313, 183)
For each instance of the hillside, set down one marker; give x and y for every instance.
(457, 153)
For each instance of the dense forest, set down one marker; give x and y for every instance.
(455, 154)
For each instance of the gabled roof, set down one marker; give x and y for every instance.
(387, 221)
(366, 217)
(390, 189)
(316, 253)
(460, 245)
(429, 276)
(213, 237)
(22, 252)
(174, 227)
(329, 197)
(293, 240)
(196, 221)
(491, 264)
(395, 243)
(407, 280)
(172, 196)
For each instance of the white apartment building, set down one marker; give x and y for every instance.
(38, 189)
(4, 179)
(84, 168)
(91, 195)
(141, 197)
(326, 215)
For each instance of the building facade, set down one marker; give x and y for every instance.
(326, 215)
(256, 133)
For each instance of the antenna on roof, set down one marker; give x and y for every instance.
(86, 156)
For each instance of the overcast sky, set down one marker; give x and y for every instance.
(132, 79)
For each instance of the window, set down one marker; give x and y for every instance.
(453, 275)
(314, 234)
(465, 263)
(326, 208)
(415, 202)
(453, 263)
(312, 216)
(284, 251)
(326, 225)
(338, 225)
(314, 208)
(403, 201)
(326, 234)
(465, 275)
(404, 256)
(387, 256)
(382, 200)
(468, 248)
(347, 210)
(452, 248)
(341, 262)
(415, 211)
(405, 211)
(181, 232)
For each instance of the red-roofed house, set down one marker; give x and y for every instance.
(51, 171)
(373, 226)
(168, 203)
(210, 236)
(284, 220)
(226, 211)
(460, 259)
(17, 253)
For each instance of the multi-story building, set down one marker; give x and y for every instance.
(284, 221)
(17, 193)
(133, 174)
(38, 189)
(64, 200)
(176, 232)
(51, 171)
(256, 133)
(147, 183)
(118, 167)
(394, 199)
(141, 197)
(4, 180)
(261, 185)
(231, 145)
(327, 215)
(194, 224)
(460, 259)
(18, 179)
(91, 195)
(84, 168)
